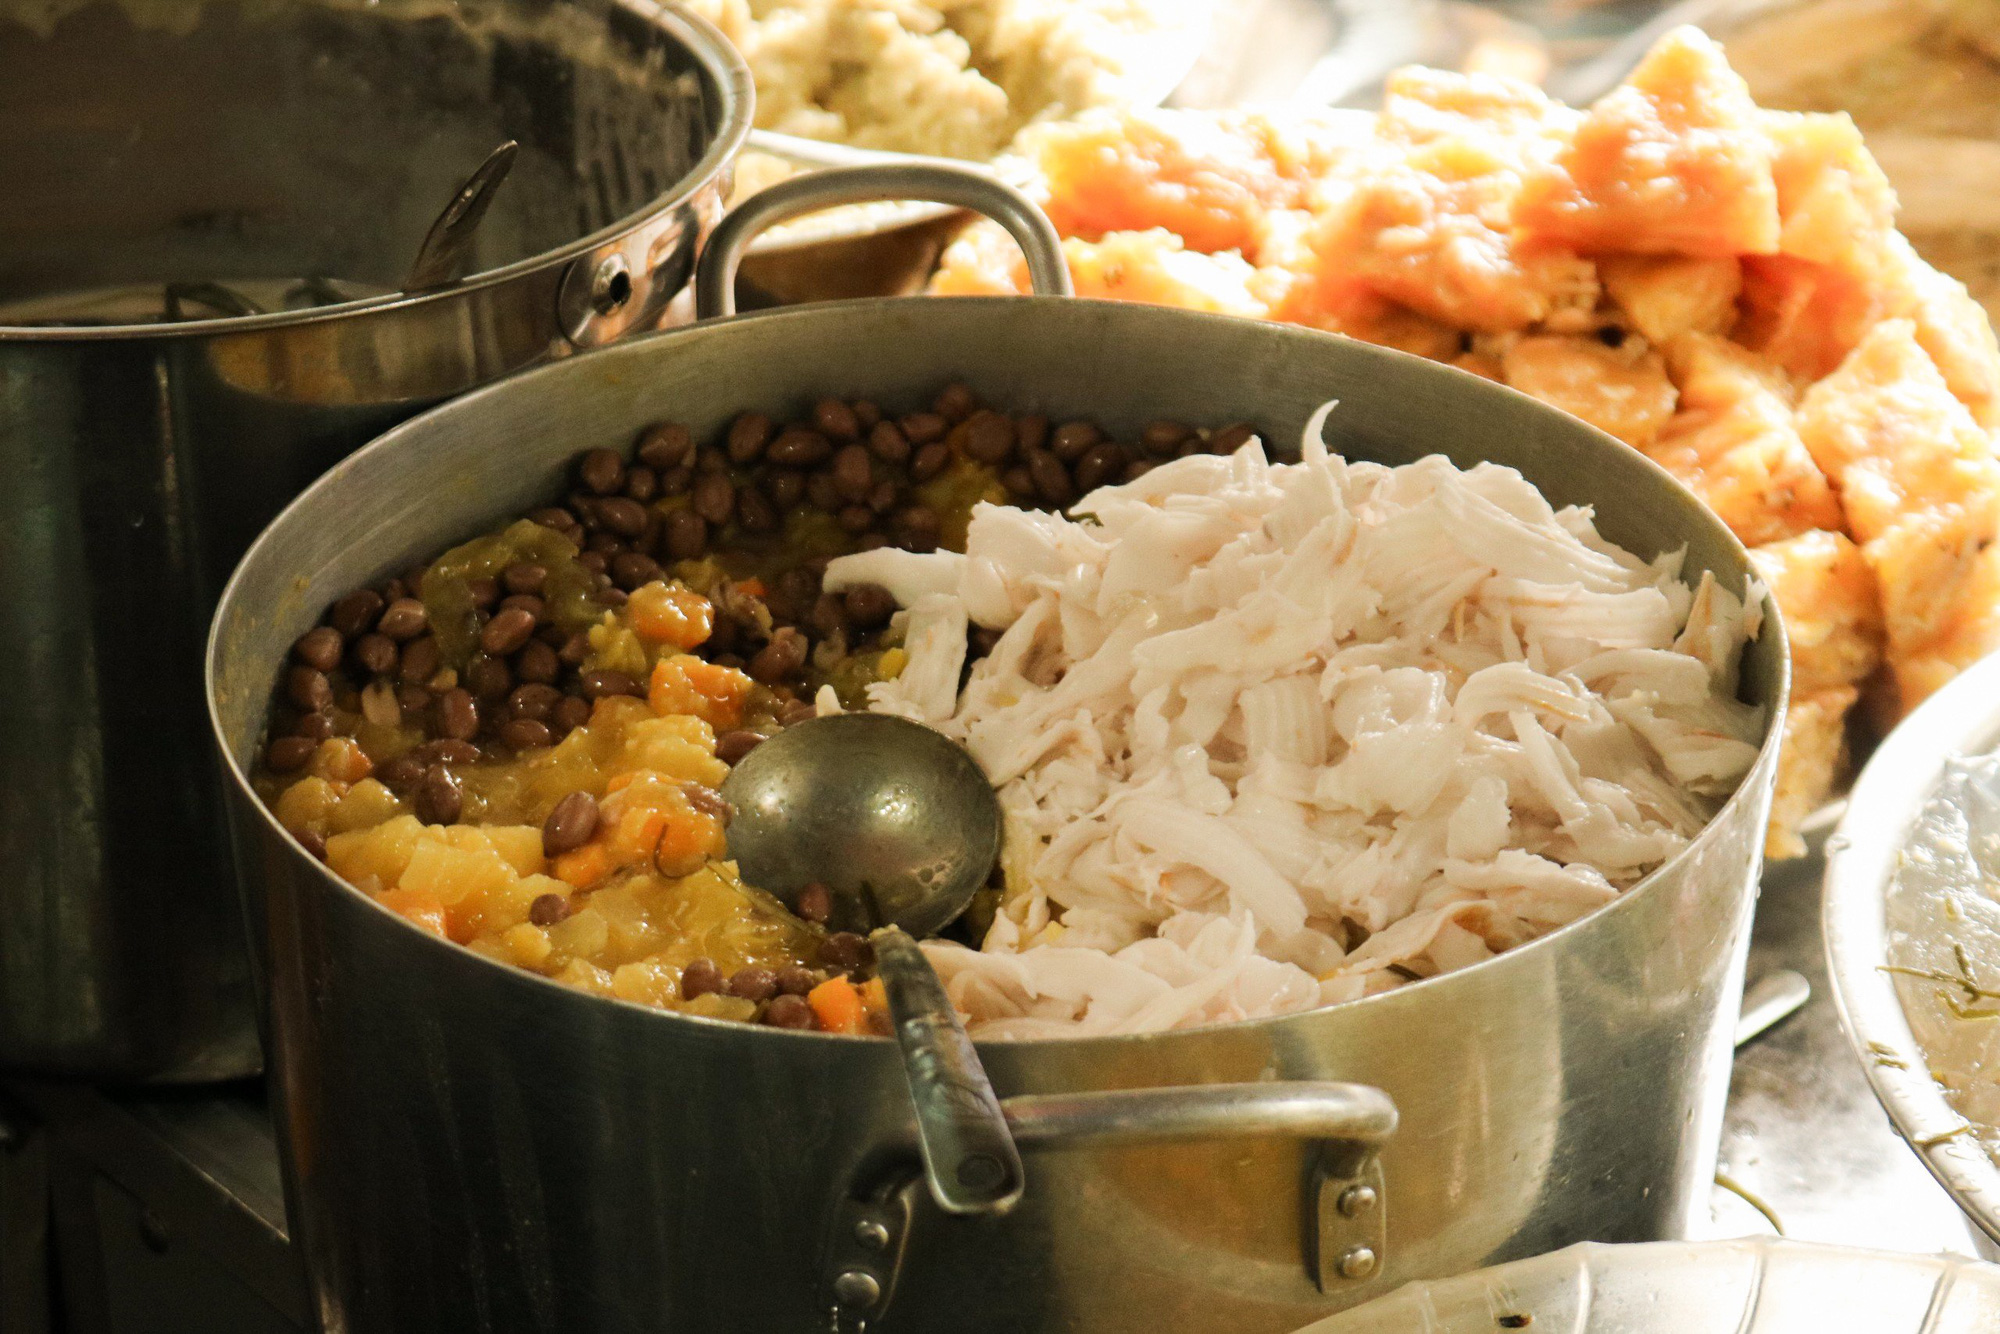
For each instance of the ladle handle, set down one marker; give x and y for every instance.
(970, 1162)
(934, 180)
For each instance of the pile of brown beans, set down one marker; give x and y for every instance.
(676, 499)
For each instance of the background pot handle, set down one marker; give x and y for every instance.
(1345, 1225)
(933, 180)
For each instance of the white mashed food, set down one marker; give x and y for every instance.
(952, 78)
(1271, 736)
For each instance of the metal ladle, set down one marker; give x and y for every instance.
(900, 824)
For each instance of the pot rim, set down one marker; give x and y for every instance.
(1746, 791)
(719, 60)
(1862, 857)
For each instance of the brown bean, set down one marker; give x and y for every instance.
(548, 909)
(867, 413)
(888, 443)
(714, 499)
(308, 689)
(845, 951)
(836, 420)
(871, 541)
(485, 591)
(665, 445)
(601, 471)
(924, 427)
(405, 619)
(954, 402)
(438, 797)
(733, 746)
(604, 543)
(755, 511)
(574, 650)
(356, 612)
(456, 714)
(488, 677)
(571, 714)
(1162, 438)
(814, 902)
(509, 629)
(625, 517)
(1073, 440)
(788, 1011)
(785, 488)
(783, 657)
(314, 843)
(687, 535)
(400, 772)
(641, 483)
(313, 726)
(796, 980)
(753, 983)
(1019, 482)
(557, 518)
(1052, 480)
(1102, 464)
(1031, 431)
(869, 605)
(447, 750)
(822, 492)
(797, 447)
(537, 663)
(570, 824)
(1137, 468)
(700, 978)
(320, 648)
(930, 460)
(286, 753)
(1231, 438)
(594, 561)
(522, 577)
(988, 437)
(856, 519)
(419, 662)
(630, 570)
(526, 733)
(796, 711)
(676, 481)
(375, 653)
(603, 682)
(708, 802)
(828, 616)
(1192, 444)
(413, 699)
(535, 700)
(853, 473)
(918, 528)
(392, 590)
(883, 498)
(748, 435)
(527, 602)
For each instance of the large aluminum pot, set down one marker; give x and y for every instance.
(150, 149)
(471, 1147)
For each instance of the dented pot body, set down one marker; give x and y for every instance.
(471, 1147)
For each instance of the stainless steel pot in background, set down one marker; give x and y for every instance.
(294, 154)
(471, 1147)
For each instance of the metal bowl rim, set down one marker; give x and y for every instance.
(1962, 719)
(654, 344)
(719, 59)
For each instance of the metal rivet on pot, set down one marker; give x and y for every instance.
(871, 1234)
(856, 1287)
(1357, 1200)
(1356, 1262)
(611, 285)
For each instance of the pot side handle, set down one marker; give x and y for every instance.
(933, 180)
(1344, 1229)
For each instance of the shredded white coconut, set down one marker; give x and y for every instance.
(1268, 737)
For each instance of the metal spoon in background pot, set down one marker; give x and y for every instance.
(900, 824)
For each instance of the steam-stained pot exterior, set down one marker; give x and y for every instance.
(475, 1148)
(196, 141)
